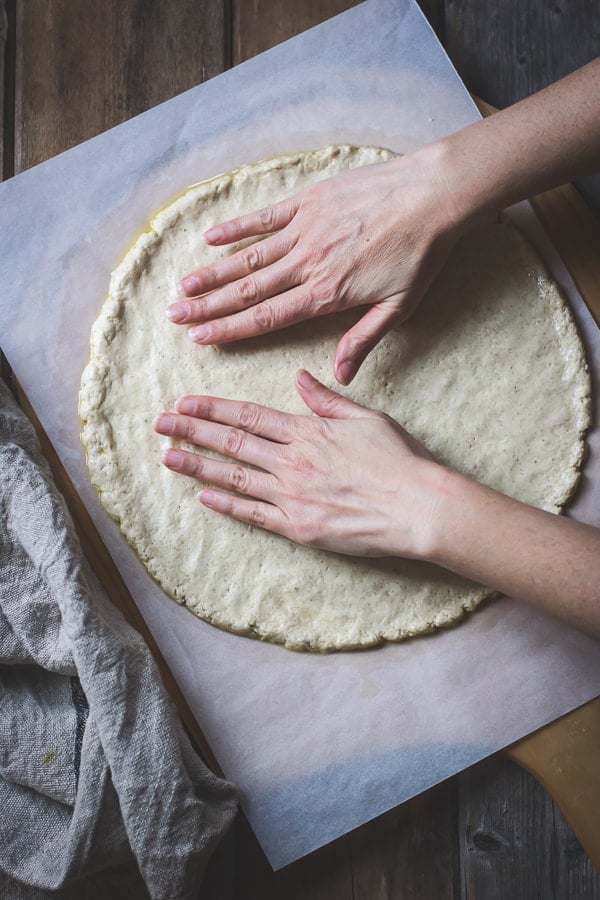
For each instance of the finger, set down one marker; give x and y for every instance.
(225, 440)
(250, 259)
(224, 475)
(253, 512)
(260, 420)
(242, 294)
(263, 221)
(288, 308)
(358, 342)
(327, 403)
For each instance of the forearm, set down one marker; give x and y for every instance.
(546, 560)
(545, 140)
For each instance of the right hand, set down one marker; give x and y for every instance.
(347, 479)
(375, 235)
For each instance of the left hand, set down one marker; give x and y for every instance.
(349, 479)
(376, 236)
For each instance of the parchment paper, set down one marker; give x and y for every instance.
(317, 744)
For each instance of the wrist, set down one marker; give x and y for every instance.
(461, 195)
(417, 523)
(451, 519)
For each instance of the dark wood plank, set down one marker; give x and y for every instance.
(3, 91)
(411, 852)
(7, 86)
(506, 51)
(435, 13)
(83, 67)
(260, 24)
(407, 854)
(515, 841)
(324, 875)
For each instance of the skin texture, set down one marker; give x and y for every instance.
(316, 484)
(378, 236)
(319, 262)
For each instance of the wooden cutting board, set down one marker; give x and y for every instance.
(565, 755)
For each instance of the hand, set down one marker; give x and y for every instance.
(349, 479)
(375, 235)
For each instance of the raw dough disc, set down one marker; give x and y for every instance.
(489, 374)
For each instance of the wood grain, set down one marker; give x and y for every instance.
(514, 841)
(506, 51)
(412, 851)
(83, 67)
(259, 25)
(6, 87)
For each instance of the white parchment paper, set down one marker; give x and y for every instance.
(317, 744)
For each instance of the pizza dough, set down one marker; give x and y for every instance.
(489, 374)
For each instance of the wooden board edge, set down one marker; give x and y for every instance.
(563, 756)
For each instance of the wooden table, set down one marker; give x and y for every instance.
(72, 68)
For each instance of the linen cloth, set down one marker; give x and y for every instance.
(100, 787)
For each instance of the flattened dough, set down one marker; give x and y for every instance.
(489, 373)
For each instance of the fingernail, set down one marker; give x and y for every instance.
(207, 498)
(177, 313)
(164, 423)
(186, 406)
(173, 458)
(305, 379)
(189, 285)
(200, 333)
(212, 234)
(345, 371)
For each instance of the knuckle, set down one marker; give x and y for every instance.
(305, 533)
(316, 255)
(189, 430)
(322, 294)
(210, 408)
(358, 342)
(253, 258)
(264, 316)
(240, 479)
(300, 462)
(329, 293)
(310, 298)
(249, 416)
(257, 516)
(196, 466)
(248, 291)
(267, 216)
(236, 227)
(234, 441)
(207, 278)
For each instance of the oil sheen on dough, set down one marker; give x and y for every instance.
(489, 374)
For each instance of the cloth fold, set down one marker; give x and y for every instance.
(96, 771)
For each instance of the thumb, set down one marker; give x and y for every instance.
(358, 342)
(326, 403)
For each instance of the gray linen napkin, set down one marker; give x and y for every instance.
(98, 780)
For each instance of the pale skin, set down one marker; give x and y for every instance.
(347, 478)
